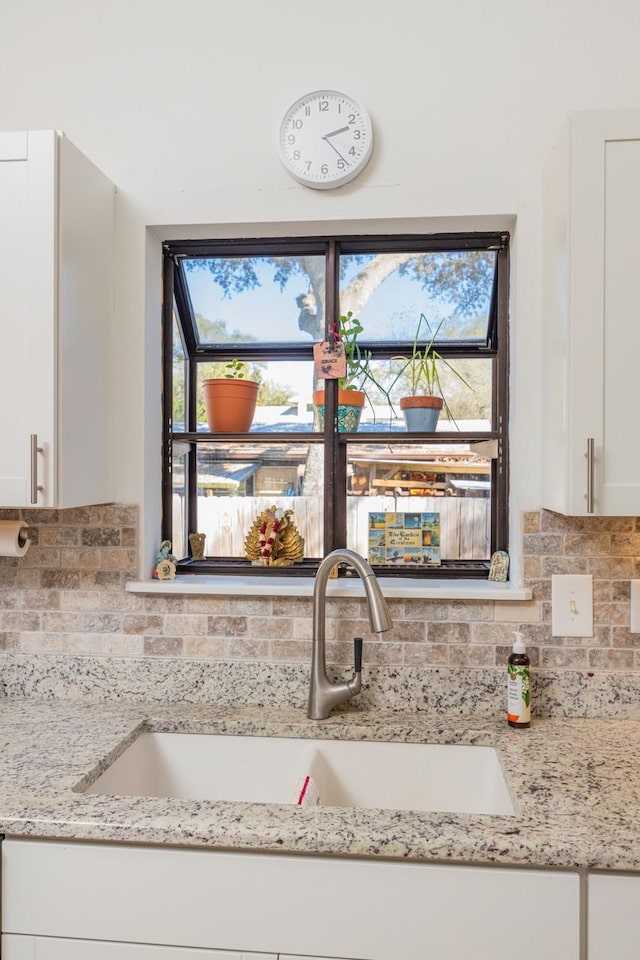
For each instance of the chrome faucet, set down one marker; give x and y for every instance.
(324, 695)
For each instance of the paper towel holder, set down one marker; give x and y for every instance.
(14, 538)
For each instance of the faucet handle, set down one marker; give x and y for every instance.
(357, 655)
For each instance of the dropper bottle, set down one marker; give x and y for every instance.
(519, 685)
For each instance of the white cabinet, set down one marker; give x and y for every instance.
(591, 333)
(56, 287)
(56, 948)
(289, 906)
(613, 917)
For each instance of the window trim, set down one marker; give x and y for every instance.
(496, 348)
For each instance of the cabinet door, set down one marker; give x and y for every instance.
(613, 917)
(296, 905)
(27, 317)
(55, 948)
(618, 473)
(56, 283)
(85, 313)
(591, 334)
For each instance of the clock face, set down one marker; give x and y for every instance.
(326, 139)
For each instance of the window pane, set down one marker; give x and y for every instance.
(285, 398)
(388, 292)
(449, 480)
(257, 298)
(236, 482)
(179, 376)
(178, 500)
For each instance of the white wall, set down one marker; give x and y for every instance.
(179, 103)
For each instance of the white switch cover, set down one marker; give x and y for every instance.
(634, 624)
(572, 605)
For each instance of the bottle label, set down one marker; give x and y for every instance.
(518, 694)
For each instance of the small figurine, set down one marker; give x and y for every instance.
(165, 568)
(196, 541)
(273, 540)
(499, 569)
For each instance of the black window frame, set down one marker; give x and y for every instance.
(336, 444)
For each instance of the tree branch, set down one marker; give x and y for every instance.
(369, 279)
(311, 317)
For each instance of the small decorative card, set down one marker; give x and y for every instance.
(329, 359)
(400, 538)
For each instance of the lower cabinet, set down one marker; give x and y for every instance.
(56, 948)
(613, 916)
(83, 901)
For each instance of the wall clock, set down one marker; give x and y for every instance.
(326, 139)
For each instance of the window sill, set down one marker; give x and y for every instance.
(302, 587)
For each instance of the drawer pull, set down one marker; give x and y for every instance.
(590, 468)
(35, 450)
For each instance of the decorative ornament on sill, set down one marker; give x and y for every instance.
(273, 540)
(165, 568)
(196, 542)
(499, 568)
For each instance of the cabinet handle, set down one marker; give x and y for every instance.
(590, 466)
(35, 450)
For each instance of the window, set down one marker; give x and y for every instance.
(265, 303)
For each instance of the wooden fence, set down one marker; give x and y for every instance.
(464, 522)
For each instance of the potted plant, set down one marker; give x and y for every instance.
(422, 407)
(352, 388)
(230, 401)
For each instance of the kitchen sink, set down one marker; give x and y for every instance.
(345, 773)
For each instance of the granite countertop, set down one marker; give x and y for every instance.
(575, 786)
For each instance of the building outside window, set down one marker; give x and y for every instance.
(265, 304)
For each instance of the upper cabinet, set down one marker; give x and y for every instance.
(591, 324)
(56, 281)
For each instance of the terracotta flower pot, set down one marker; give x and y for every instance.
(350, 404)
(230, 404)
(421, 413)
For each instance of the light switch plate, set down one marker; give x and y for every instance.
(572, 605)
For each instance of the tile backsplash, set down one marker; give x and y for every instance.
(67, 596)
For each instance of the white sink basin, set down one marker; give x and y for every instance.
(347, 773)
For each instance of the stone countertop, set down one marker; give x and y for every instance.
(575, 785)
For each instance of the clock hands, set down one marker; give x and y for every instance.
(335, 149)
(334, 133)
